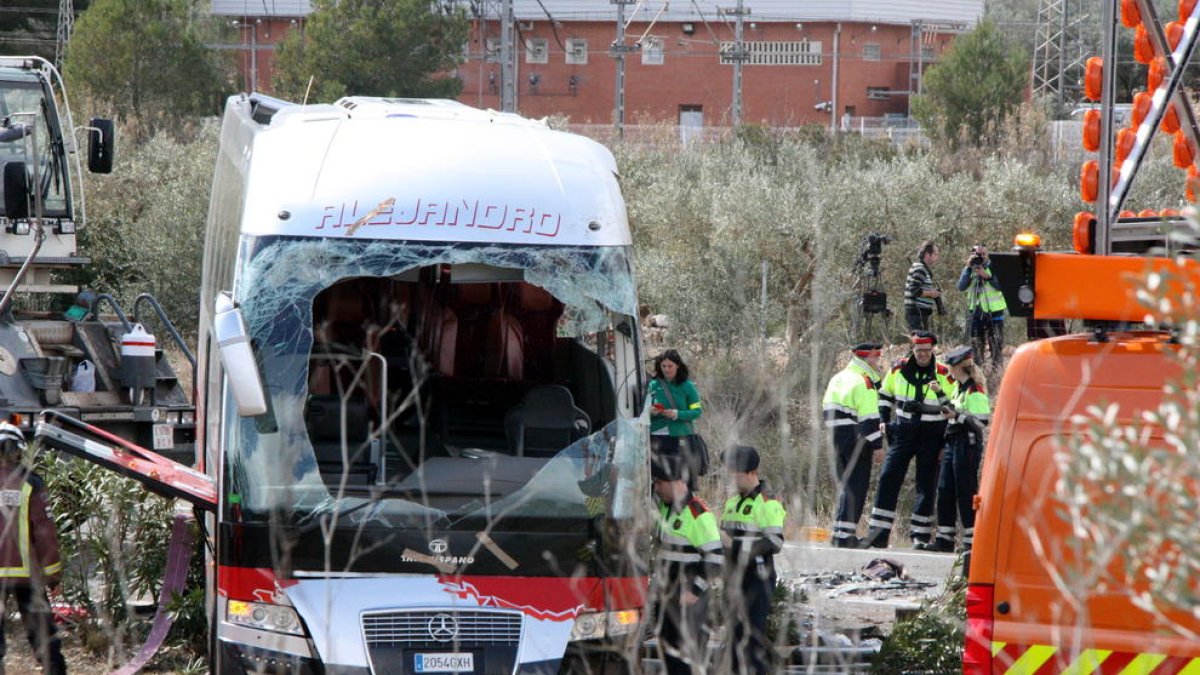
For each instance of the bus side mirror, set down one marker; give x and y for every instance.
(102, 145)
(16, 191)
(241, 369)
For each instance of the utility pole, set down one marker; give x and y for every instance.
(618, 52)
(66, 23)
(738, 56)
(508, 81)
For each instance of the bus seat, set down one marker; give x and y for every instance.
(545, 422)
(323, 418)
(537, 312)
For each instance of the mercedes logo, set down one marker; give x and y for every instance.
(443, 628)
(438, 546)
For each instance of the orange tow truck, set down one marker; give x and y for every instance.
(1089, 489)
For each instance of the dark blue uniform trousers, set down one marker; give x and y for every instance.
(957, 486)
(854, 476)
(908, 440)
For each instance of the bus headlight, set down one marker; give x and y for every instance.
(264, 617)
(596, 625)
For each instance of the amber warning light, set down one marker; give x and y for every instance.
(1027, 240)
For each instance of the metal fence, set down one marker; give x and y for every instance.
(1063, 136)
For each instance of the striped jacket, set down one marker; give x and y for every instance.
(28, 542)
(919, 279)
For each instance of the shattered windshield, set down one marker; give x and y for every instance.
(24, 134)
(425, 382)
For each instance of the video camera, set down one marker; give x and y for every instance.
(977, 259)
(873, 247)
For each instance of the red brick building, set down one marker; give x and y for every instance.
(806, 62)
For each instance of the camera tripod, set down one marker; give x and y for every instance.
(988, 340)
(870, 318)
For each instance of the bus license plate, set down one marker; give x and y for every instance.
(164, 436)
(463, 662)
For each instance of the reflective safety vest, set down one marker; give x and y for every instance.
(982, 293)
(1031, 658)
(754, 524)
(968, 399)
(28, 543)
(913, 402)
(851, 404)
(689, 546)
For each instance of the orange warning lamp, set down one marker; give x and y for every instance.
(1169, 213)
(1193, 183)
(1089, 181)
(1093, 78)
(1027, 241)
(1126, 214)
(1174, 32)
(1154, 76)
(1170, 122)
(1186, 7)
(1139, 110)
(1143, 51)
(1124, 145)
(1147, 213)
(1081, 232)
(1182, 152)
(1131, 16)
(1091, 130)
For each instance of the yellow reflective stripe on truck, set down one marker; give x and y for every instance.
(1087, 662)
(1033, 659)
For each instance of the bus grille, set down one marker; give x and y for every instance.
(433, 628)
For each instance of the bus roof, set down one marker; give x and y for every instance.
(425, 170)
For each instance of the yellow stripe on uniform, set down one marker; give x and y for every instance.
(1143, 664)
(1087, 662)
(1031, 660)
(1192, 668)
(695, 406)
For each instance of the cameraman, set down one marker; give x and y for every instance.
(921, 295)
(985, 305)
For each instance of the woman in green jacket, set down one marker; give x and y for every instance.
(675, 406)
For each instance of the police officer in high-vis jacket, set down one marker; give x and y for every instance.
(851, 411)
(752, 524)
(29, 558)
(914, 396)
(688, 561)
(959, 478)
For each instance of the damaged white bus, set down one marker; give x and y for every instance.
(421, 394)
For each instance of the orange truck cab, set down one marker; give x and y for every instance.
(1046, 594)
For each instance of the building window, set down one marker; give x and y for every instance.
(776, 53)
(871, 51)
(491, 50)
(928, 52)
(652, 51)
(878, 93)
(577, 51)
(537, 50)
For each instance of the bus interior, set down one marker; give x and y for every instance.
(449, 384)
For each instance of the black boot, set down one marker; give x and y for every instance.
(939, 545)
(846, 542)
(876, 538)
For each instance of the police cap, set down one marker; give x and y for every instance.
(867, 349)
(742, 458)
(958, 355)
(923, 337)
